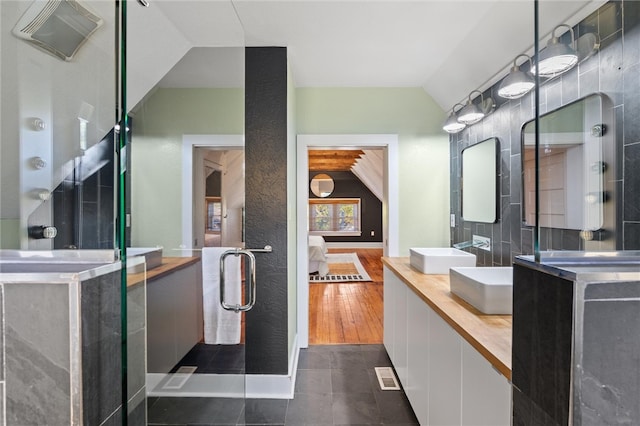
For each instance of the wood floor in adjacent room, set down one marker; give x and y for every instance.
(348, 313)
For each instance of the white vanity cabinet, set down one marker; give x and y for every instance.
(447, 381)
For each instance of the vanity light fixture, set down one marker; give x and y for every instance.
(452, 125)
(557, 57)
(517, 83)
(472, 113)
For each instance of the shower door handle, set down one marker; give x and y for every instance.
(252, 280)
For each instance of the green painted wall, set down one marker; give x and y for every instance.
(156, 173)
(160, 122)
(423, 148)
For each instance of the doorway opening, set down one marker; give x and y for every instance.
(387, 146)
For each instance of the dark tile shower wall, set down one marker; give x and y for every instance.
(83, 209)
(615, 72)
(266, 206)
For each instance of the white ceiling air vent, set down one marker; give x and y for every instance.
(58, 27)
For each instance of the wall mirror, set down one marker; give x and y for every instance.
(480, 181)
(322, 185)
(571, 167)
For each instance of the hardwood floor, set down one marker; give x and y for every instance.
(348, 313)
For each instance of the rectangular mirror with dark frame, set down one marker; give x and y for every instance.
(572, 167)
(480, 181)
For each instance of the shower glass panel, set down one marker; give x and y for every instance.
(601, 193)
(57, 126)
(187, 149)
(59, 91)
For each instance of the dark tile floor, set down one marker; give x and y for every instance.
(335, 385)
(214, 359)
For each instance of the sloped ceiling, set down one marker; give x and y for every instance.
(448, 47)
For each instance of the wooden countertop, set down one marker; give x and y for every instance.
(489, 334)
(169, 265)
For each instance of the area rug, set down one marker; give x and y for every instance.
(343, 267)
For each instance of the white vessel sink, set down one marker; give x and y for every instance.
(488, 289)
(438, 260)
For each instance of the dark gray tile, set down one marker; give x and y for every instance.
(172, 410)
(313, 360)
(347, 359)
(632, 183)
(350, 381)
(631, 237)
(36, 353)
(515, 178)
(611, 72)
(307, 409)
(265, 411)
(505, 172)
(609, 334)
(395, 408)
(376, 358)
(631, 29)
(609, 19)
(589, 82)
(631, 104)
(313, 381)
(200, 356)
(355, 408)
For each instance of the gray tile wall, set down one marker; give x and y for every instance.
(613, 71)
(101, 343)
(37, 334)
(609, 335)
(37, 353)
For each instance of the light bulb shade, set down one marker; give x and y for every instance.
(516, 84)
(470, 114)
(557, 57)
(452, 125)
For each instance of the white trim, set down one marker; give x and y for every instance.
(189, 142)
(272, 386)
(390, 209)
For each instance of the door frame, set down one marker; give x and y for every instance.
(189, 143)
(390, 207)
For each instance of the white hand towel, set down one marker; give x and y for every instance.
(220, 326)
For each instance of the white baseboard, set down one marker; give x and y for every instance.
(354, 245)
(273, 386)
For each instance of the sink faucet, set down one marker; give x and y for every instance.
(483, 243)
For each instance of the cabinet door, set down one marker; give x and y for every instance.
(486, 394)
(390, 286)
(400, 332)
(445, 359)
(417, 388)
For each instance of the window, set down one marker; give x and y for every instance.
(334, 216)
(214, 215)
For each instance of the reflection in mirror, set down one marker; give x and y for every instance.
(479, 181)
(322, 185)
(189, 125)
(571, 167)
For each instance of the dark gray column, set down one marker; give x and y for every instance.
(266, 205)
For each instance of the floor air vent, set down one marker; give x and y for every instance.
(387, 378)
(179, 378)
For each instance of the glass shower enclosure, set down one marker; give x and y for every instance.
(66, 343)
